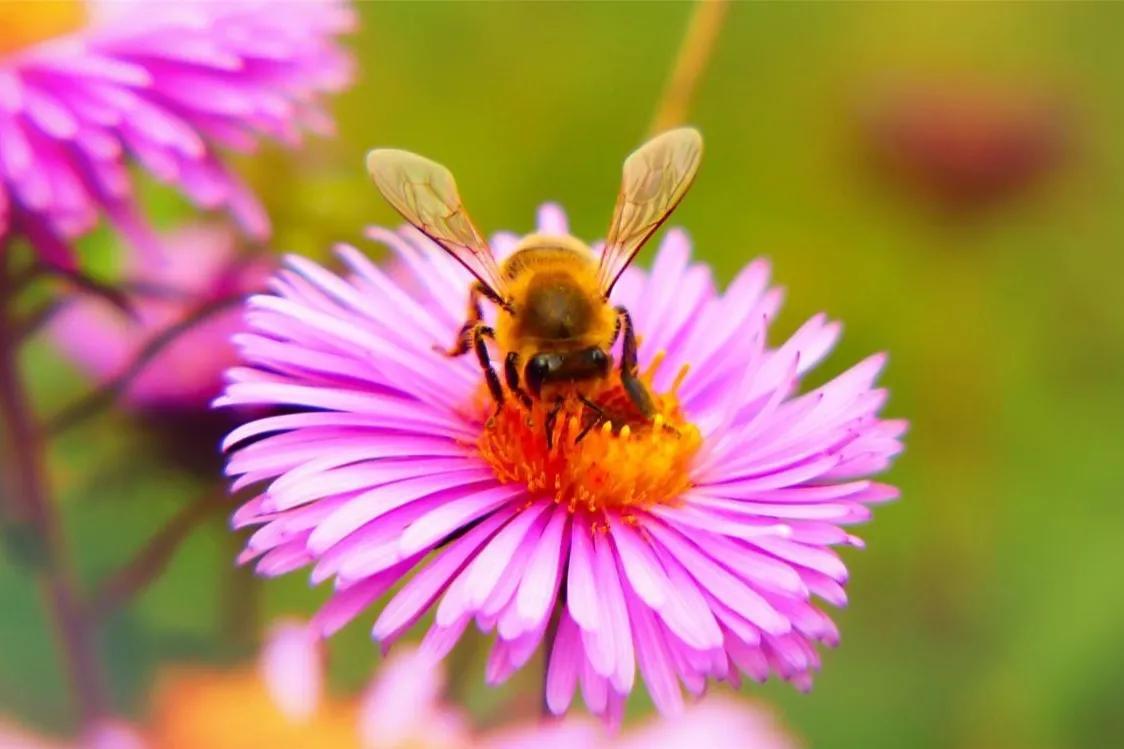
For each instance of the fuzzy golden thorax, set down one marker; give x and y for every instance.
(556, 303)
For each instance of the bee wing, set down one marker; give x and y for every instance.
(425, 193)
(655, 178)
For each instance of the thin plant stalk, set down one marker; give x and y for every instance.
(691, 62)
(33, 523)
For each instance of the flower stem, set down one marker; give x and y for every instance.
(93, 403)
(136, 574)
(694, 53)
(32, 523)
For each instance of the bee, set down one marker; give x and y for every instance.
(556, 323)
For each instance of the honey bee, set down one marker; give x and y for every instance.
(556, 324)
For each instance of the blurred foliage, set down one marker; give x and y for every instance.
(984, 611)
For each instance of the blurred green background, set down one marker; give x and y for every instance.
(987, 609)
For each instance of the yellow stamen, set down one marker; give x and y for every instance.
(617, 459)
(24, 24)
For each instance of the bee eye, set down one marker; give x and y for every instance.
(536, 372)
(599, 359)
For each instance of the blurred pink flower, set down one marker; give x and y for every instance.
(109, 734)
(164, 84)
(202, 268)
(404, 709)
(967, 145)
(292, 669)
(401, 709)
(282, 706)
(715, 722)
(692, 553)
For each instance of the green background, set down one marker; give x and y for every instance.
(987, 610)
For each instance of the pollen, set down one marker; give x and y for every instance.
(23, 24)
(596, 451)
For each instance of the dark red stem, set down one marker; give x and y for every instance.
(31, 521)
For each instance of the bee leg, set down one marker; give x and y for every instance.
(632, 385)
(511, 374)
(465, 338)
(479, 333)
(616, 328)
(599, 418)
(548, 423)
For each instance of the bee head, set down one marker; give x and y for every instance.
(539, 369)
(570, 366)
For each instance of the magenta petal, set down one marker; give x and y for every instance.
(721, 583)
(581, 585)
(407, 605)
(345, 606)
(618, 630)
(445, 519)
(565, 663)
(378, 501)
(645, 574)
(539, 589)
(655, 660)
(486, 569)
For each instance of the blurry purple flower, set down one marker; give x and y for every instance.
(403, 708)
(964, 145)
(292, 669)
(715, 722)
(107, 734)
(202, 269)
(192, 291)
(692, 553)
(164, 84)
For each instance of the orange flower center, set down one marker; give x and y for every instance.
(24, 24)
(597, 458)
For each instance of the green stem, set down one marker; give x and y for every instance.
(690, 62)
(30, 516)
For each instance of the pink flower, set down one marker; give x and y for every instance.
(161, 84)
(202, 269)
(968, 145)
(107, 734)
(403, 707)
(716, 722)
(400, 709)
(691, 548)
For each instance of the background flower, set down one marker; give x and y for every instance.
(106, 735)
(688, 565)
(204, 268)
(717, 722)
(192, 294)
(281, 705)
(967, 145)
(164, 84)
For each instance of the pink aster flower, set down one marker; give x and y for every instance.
(717, 722)
(203, 268)
(161, 84)
(692, 548)
(403, 707)
(108, 734)
(193, 290)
